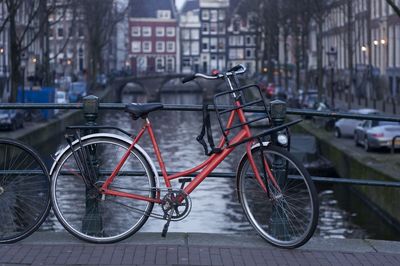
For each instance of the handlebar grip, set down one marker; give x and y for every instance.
(188, 78)
(236, 68)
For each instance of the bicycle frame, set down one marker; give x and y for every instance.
(206, 167)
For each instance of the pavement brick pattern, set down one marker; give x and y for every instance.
(134, 254)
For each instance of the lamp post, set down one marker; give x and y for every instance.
(332, 57)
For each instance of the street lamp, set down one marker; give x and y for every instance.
(332, 58)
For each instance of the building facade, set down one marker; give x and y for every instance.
(366, 35)
(189, 24)
(67, 43)
(153, 37)
(213, 34)
(241, 39)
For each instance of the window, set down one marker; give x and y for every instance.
(206, 27)
(213, 44)
(147, 47)
(205, 14)
(195, 34)
(250, 40)
(170, 31)
(204, 45)
(195, 48)
(221, 15)
(135, 31)
(213, 28)
(159, 64)
(250, 53)
(51, 33)
(170, 47)
(186, 48)
(146, 31)
(164, 14)
(60, 32)
(214, 15)
(221, 28)
(160, 47)
(221, 44)
(236, 54)
(185, 34)
(135, 47)
(170, 64)
(236, 40)
(159, 31)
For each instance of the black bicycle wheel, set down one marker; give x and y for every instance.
(84, 211)
(24, 191)
(286, 214)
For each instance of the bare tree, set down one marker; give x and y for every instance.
(27, 22)
(100, 19)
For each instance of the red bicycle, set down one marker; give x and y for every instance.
(104, 186)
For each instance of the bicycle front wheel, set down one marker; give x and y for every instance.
(286, 212)
(82, 209)
(24, 191)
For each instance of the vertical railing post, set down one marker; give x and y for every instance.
(92, 221)
(278, 115)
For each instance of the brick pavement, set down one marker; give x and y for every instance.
(135, 254)
(221, 250)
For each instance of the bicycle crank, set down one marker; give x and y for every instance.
(176, 206)
(177, 201)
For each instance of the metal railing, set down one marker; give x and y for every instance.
(277, 109)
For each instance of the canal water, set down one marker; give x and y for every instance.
(215, 205)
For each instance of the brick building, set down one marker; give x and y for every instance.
(153, 31)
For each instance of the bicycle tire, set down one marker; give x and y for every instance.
(83, 212)
(24, 191)
(287, 216)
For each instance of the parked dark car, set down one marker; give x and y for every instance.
(77, 91)
(11, 119)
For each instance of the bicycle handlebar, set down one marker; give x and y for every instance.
(239, 69)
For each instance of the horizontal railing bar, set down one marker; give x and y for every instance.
(319, 179)
(182, 107)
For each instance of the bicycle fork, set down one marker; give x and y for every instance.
(267, 180)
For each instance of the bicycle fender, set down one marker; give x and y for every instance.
(109, 135)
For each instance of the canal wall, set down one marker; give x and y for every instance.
(353, 162)
(36, 134)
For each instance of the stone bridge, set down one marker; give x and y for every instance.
(151, 85)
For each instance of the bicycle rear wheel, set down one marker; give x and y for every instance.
(24, 191)
(286, 214)
(83, 210)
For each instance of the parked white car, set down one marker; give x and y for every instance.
(377, 134)
(345, 127)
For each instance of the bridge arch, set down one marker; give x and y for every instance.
(151, 84)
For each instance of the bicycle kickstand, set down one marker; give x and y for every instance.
(165, 229)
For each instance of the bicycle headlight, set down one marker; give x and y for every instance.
(282, 139)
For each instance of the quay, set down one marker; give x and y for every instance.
(50, 248)
(353, 162)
